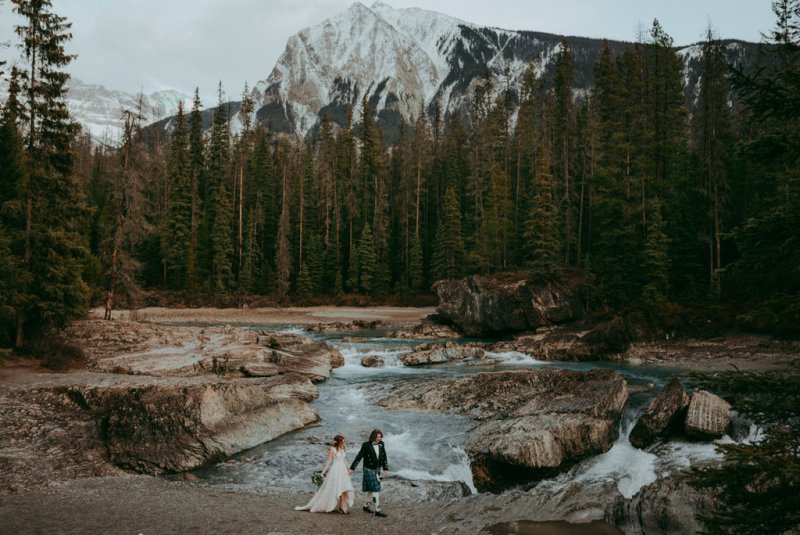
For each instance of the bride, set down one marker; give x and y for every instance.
(336, 491)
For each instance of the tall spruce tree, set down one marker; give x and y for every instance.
(181, 260)
(564, 149)
(221, 208)
(53, 249)
(199, 191)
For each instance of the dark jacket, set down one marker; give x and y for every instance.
(367, 452)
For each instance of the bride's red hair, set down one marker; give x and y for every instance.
(338, 442)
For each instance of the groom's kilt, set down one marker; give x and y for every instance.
(370, 482)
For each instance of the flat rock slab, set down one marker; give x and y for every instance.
(193, 351)
(530, 424)
(708, 415)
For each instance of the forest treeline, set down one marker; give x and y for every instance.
(654, 201)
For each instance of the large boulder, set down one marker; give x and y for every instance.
(708, 416)
(530, 424)
(175, 425)
(489, 306)
(443, 353)
(665, 414)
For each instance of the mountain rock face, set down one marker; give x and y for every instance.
(404, 61)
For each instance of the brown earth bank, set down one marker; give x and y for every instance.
(388, 316)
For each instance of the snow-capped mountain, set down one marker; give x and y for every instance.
(99, 109)
(405, 59)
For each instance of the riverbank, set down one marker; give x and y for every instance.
(301, 316)
(147, 505)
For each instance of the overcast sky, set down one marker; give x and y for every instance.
(180, 44)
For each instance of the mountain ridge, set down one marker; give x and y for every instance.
(419, 59)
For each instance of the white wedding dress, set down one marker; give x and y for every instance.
(337, 482)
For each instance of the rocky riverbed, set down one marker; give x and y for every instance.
(166, 391)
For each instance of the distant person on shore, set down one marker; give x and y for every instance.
(375, 467)
(336, 494)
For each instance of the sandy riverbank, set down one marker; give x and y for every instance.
(301, 316)
(147, 505)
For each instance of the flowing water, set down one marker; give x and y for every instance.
(430, 445)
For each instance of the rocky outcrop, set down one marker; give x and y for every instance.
(665, 413)
(340, 326)
(424, 490)
(299, 354)
(579, 341)
(193, 351)
(578, 503)
(172, 426)
(372, 361)
(669, 506)
(708, 415)
(45, 436)
(529, 424)
(444, 353)
(165, 399)
(423, 330)
(488, 306)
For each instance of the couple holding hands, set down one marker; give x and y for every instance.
(336, 492)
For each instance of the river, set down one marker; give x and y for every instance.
(428, 445)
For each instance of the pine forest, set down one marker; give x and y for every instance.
(661, 203)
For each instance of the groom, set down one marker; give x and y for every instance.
(374, 455)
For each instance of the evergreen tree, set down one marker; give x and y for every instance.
(181, 257)
(368, 269)
(416, 275)
(305, 286)
(199, 192)
(221, 209)
(283, 259)
(564, 129)
(314, 261)
(14, 278)
(53, 249)
(656, 258)
(495, 232)
(542, 244)
(713, 142)
(768, 270)
(448, 251)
